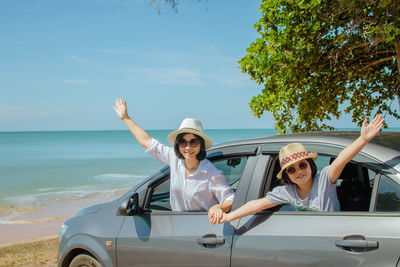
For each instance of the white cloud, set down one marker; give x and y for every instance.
(209, 55)
(232, 78)
(77, 58)
(184, 68)
(170, 76)
(176, 67)
(18, 112)
(80, 81)
(122, 52)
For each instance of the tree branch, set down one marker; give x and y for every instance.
(397, 56)
(378, 61)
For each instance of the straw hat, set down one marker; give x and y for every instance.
(292, 153)
(192, 126)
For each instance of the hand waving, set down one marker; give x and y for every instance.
(121, 109)
(372, 129)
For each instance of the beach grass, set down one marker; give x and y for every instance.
(35, 253)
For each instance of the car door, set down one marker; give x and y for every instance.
(289, 237)
(162, 237)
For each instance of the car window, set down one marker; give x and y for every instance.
(231, 167)
(160, 197)
(354, 186)
(388, 199)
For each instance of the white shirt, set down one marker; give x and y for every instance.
(200, 190)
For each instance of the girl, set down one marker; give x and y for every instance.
(195, 183)
(298, 171)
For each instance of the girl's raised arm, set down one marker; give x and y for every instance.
(250, 207)
(367, 133)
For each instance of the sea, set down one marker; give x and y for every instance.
(41, 168)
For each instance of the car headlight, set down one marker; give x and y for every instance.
(62, 230)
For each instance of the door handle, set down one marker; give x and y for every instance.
(211, 239)
(356, 243)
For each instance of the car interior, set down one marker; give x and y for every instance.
(159, 191)
(353, 186)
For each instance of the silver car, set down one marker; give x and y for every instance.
(139, 228)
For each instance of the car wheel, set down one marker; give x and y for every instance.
(84, 260)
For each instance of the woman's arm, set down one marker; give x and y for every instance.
(141, 135)
(215, 213)
(367, 133)
(250, 207)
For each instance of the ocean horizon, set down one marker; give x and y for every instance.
(42, 167)
(38, 168)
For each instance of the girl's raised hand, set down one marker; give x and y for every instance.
(372, 129)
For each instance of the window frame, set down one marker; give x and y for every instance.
(361, 159)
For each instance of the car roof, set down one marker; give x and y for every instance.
(389, 140)
(384, 147)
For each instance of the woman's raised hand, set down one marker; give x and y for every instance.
(121, 109)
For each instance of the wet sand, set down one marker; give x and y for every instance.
(41, 223)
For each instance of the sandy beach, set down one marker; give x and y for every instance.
(42, 223)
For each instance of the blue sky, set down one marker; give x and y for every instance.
(63, 64)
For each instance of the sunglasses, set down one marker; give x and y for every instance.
(302, 166)
(193, 142)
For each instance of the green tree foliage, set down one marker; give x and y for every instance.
(315, 56)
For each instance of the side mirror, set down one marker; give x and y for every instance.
(129, 206)
(234, 162)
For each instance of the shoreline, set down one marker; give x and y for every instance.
(43, 223)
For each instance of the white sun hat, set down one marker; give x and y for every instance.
(192, 126)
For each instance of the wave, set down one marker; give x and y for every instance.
(113, 176)
(51, 206)
(47, 189)
(13, 220)
(35, 201)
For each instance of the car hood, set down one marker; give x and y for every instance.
(96, 208)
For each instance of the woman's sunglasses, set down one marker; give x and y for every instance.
(302, 166)
(193, 142)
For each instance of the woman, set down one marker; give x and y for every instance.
(195, 183)
(302, 186)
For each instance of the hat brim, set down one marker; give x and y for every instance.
(172, 136)
(311, 155)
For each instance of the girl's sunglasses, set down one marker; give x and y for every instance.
(193, 142)
(302, 166)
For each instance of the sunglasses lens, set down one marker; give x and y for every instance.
(303, 165)
(194, 142)
(291, 170)
(182, 143)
